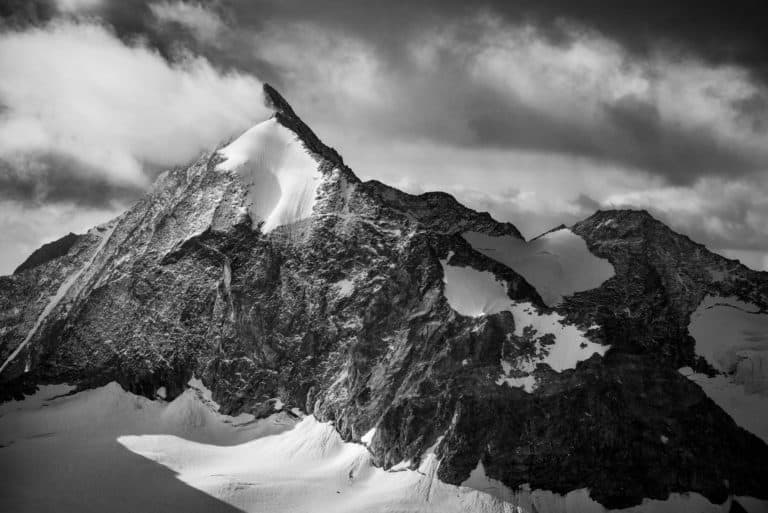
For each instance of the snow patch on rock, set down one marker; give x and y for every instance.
(474, 293)
(367, 438)
(732, 336)
(280, 175)
(557, 264)
(560, 345)
(557, 344)
(345, 287)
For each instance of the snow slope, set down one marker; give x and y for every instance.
(733, 337)
(62, 455)
(109, 450)
(475, 293)
(279, 173)
(557, 264)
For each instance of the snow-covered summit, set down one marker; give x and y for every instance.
(280, 175)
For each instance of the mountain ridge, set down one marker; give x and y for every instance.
(345, 314)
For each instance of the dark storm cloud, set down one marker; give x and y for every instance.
(21, 13)
(350, 66)
(634, 135)
(754, 112)
(642, 139)
(586, 203)
(722, 33)
(731, 33)
(632, 132)
(51, 178)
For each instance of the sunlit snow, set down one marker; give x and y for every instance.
(109, 450)
(281, 176)
(557, 264)
(367, 438)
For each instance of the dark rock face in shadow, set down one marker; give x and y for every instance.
(48, 252)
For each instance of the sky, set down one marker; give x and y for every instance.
(539, 112)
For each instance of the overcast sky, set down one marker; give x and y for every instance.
(539, 112)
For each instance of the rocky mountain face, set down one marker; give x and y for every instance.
(341, 308)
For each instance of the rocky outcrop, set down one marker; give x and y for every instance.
(343, 315)
(48, 252)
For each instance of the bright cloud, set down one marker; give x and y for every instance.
(77, 5)
(205, 24)
(73, 88)
(311, 59)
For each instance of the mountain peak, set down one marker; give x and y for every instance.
(286, 116)
(410, 323)
(277, 102)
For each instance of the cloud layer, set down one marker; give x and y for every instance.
(73, 91)
(539, 112)
(204, 24)
(536, 131)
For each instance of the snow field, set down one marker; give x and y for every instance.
(109, 450)
(557, 264)
(733, 337)
(345, 287)
(474, 293)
